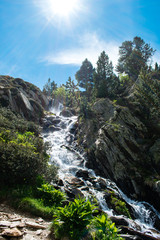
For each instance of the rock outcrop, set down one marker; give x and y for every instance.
(120, 147)
(22, 97)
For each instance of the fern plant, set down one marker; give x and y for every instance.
(104, 229)
(72, 220)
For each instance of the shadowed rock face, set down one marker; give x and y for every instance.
(120, 147)
(22, 97)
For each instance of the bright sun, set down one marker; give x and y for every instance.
(63, 8)
(61, 12)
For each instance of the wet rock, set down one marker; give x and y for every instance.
(60, 182)
(119, 221)
(77, 192)
(14, 232)
(143, 236)
(82, 173)
(56, 121)
(73, 128)
(85, 188)
(66, 113)
(102, 183)
(74, 181)
(69, 194)
(130, 237)
(52, 128)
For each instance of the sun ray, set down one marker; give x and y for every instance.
(61, 12)
(63, 8)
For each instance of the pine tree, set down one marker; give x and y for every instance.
(72, 92)
(104, 78)
(49, 87)
(84, 77)
(134, 55)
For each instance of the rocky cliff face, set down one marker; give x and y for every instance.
(121, 147)
(22, 97)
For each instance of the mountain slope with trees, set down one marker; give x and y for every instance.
(119, 118)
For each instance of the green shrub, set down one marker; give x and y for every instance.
(11, 120)
(104, 229)
(20, 163)
(50, 196)
(22, 152)
(120, 206)
(72, 220)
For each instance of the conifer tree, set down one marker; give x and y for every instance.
(84, 77)
(134, 55)
(104, 79)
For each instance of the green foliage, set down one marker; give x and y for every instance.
(72, 93)
(84, 76)
(134, 55)
(29, 198)
(11, 120)
(104, 229)
(125, 82)
(120, 206)
(22, 152)
(105, 81)
(72, 220)
(49, 87)
(114, 126)
(85, 107)
(148, 93)
(36, 207)
(50, 196)
(15, 193)
(60, 94)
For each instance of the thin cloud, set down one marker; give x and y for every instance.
(89, 46)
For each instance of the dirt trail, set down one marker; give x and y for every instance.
(15, 225)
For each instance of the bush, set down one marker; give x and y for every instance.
(11, 120)
(19, 164)
(50, 196)
(104, 229)
(22, 152)
(72, 220)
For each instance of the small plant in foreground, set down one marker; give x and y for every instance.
(104, 229)
(72, 220)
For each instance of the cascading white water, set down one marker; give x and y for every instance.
(70, 161)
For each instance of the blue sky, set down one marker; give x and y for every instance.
(38, 42)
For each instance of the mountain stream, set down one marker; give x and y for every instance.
(72, 171)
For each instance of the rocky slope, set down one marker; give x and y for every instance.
(121, 147)
(22, 97)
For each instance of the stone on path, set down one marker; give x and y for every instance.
(14, 232)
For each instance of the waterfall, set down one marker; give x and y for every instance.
(70, 162)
